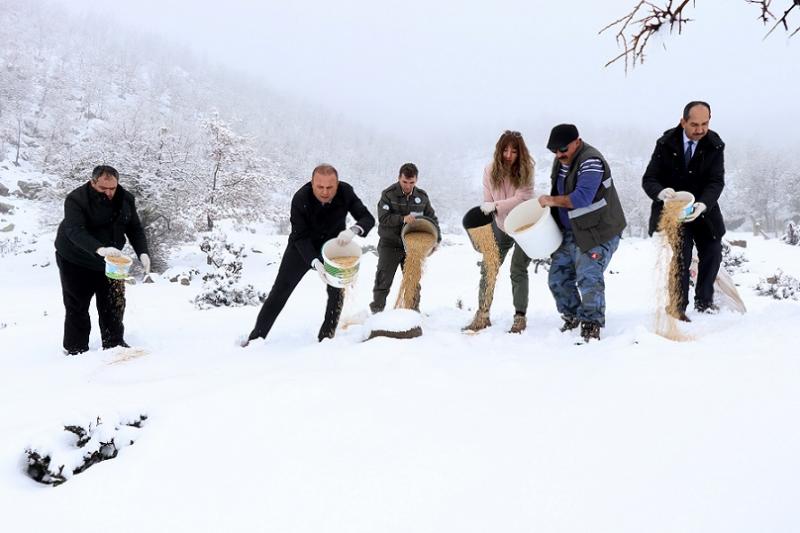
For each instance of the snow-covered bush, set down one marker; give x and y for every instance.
(53, 462)
(780, 286)
(792, 235)
(733, 259)
(222, 287)
(10, 245)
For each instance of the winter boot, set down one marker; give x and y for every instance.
(520, 323)
(705, 307)
(570, 323)
(115, 344)
(481, 321)
(590, 330)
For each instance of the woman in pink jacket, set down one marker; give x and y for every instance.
(507, 182)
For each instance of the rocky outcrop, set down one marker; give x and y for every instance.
(30, 190)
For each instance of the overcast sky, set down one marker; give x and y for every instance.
(444, 68)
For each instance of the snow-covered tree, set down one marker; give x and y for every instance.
(222, 287)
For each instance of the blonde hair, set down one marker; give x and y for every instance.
(521, 172)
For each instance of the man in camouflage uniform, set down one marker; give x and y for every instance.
(400, 204)
(590, 216)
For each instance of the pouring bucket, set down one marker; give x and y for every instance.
(420, 224)
(687, 199)
(337, 274)
(475, 218)
(534, 229)
(118, 267)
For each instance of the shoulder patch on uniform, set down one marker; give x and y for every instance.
(386, 206)
(416, 199)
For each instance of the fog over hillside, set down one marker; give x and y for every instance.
(169, 93)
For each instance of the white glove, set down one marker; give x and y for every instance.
(145, 259)
(698, 209)
(345, 236)
(666, 194)
(317, 265)
(109, 251)
(488, 207)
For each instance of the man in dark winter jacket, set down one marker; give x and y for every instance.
(690, 157)
(400, 204)
(591, 219)
(318, 213)
(97, 218)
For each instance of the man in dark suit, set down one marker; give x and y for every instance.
(690, 157)
(318, 213)
(97, 217)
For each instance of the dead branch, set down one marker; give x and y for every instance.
(647, 18)
(653, 18)
(766, 15)
(784, 20)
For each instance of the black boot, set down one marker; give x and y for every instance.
(114, 344)
(570, 323)
(590, 330)
(705, 307)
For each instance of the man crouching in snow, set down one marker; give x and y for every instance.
(318, 214)
(97, 217)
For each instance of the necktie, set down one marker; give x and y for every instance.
(688, 155)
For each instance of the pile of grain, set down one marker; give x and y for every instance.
(119, 260)
(668, 291)
(346, 261)
(483, 237)
(523, 228)
(418, 246)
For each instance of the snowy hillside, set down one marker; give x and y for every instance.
(447, 432)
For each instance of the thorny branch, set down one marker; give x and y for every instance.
(654, 17)
(784, 20)
(646, 18)
(766, 15)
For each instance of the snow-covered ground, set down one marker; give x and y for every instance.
(444, 433)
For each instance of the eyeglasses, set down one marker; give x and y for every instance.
(562, 150)
(512, 133)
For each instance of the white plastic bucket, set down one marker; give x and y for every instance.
(336, 274)
(542, 237)
(687, 199)
(118, 267)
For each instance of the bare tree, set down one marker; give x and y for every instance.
(635, 29)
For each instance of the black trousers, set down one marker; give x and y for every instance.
(388, 260)
(78, 286)
(293, 268)
(709, 259)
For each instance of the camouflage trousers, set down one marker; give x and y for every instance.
(576, 279)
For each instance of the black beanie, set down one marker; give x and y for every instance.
(562, 135)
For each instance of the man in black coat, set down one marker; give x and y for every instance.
(97, 217)
(318, 213)
(399, 205)
(690, 158)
